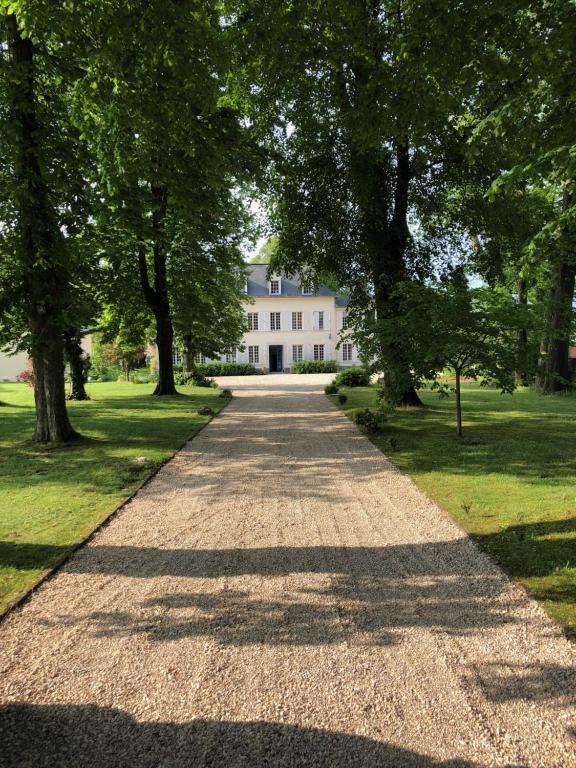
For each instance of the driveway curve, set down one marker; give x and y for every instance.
(281, 595)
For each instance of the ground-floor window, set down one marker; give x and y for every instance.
(318, 351)
(230, 357)
(176, 357)
(200, 358)
(254, 354)
(296, 352)
(347, 352)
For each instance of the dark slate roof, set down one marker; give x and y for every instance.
(290, 285)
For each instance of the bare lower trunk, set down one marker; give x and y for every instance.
(188, 356)
(43, 260)
(157, 295)
(77, 364)
(52, 422)
(522, 340)
(458, 405)
(164, 342)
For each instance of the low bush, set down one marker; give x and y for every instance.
(353, 377)
(205, 411)
(315, 366)
(225, 394)
(369, 421)
(342, 399)
(331, 389)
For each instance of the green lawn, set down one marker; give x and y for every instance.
(510, 482)
(51, 498)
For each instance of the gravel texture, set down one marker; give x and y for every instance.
(280, 595)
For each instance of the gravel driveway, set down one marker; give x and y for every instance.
(279, 595)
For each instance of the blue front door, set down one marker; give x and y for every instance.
(275, 365)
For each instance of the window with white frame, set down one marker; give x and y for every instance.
(252, 321)
(230, 357)
(306, 289)
(176, 357)
(345, 322)
(318, 351)
(253, 354)
(296, 321)
(274, 321)
(347, 352)
(200, 358)
(296, 352)
(320, 321)
(274, 287)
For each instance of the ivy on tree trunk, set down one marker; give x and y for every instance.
(77, 364)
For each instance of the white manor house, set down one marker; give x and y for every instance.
(287, 323)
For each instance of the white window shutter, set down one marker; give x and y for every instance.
(327, 326)
(314, 321)
(263, 322)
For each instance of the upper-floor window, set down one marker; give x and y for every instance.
(252, 321)
(318, 351)
(320, 321)
(307, 289)
(274, 321)
(347, 352)
(296, 321)
(274, 287)
(345, 322)
(253, 354)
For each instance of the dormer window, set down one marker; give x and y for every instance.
(307, 290)
(274, 286)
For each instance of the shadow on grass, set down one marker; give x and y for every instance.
(68, 736)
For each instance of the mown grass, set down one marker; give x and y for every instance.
(510, 482)
(51, 498)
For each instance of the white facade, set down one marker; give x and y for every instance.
(287, 324)
(12, 365)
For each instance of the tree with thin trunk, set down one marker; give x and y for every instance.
(449, 327)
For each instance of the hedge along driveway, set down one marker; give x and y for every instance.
(52, 498)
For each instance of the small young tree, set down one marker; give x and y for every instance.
(471, 332)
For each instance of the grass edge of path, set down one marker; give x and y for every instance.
(527, 582)
(22, 597)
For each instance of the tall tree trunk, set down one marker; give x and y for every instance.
(522, 338)
(389, 272)
(157, 296)
(75, 359)
(44, 277)
(458, 403)
(188, 356)
(554, 365)
(164, 343)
